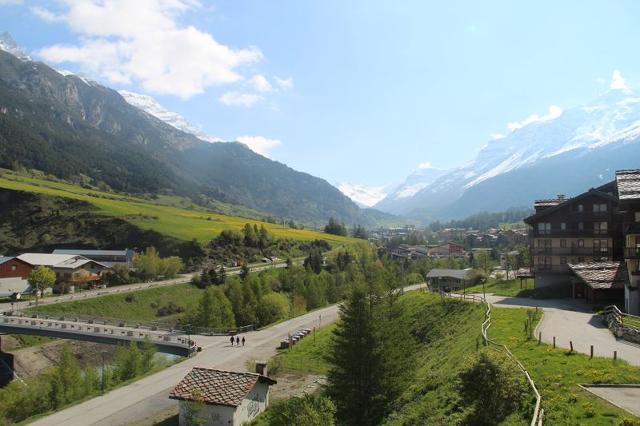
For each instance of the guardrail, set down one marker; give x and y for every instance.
(538, 412)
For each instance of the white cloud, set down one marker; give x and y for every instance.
(618, 82)
(495, 136)
(240, 99)
(141, 41)
(260, 144)
(425, 165)
(554, 112)
(45, 14)
(284, 83)
(260, 83)
(10, 2)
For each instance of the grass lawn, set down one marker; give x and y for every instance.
(557, 374)
(511, 288)
(158, 215)
(134, 306)
(305, 357)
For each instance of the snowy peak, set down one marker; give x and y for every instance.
(152, 107)
(364, 196)
(610, 121)
(8, 44)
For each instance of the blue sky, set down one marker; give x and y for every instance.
(356, 91)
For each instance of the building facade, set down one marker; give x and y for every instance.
(589, 243)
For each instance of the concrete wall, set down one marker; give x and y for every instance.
(253, 404)
(551, 280)
(208, 415)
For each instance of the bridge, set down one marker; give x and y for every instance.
(165, 341)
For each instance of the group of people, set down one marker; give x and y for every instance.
(237, 340)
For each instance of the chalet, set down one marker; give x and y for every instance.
(591, 243)
(68, 268)
(108, 258)
(447, 250)
(12, 267)
(448, 279)
(628, 183)
(221, 397)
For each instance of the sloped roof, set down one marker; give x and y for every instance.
(217, 387)
(554, 208)
(602, 275)
(459, 274)
(628, 182)
(56, 260)
(4, 259)
(86, 252)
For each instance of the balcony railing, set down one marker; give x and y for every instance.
(572, 251)
(632, 253)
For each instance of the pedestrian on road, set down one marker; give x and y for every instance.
(242, 340)
(237, 341)
(231, 340)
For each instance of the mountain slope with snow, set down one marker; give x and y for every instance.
(560, 145)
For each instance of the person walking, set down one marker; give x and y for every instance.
(237, 341)
(231, 340)
(242, 340)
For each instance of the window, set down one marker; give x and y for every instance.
(563, 243)
(637, 216)
(563, 260)
(580, 243)
(580, 226)
(14, 267)
(600, 227)
(544, 228)
(599, 208)
(563, 226)
(580, 208)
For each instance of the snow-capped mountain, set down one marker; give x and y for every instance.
(8, 44)
(151, 106)
(422, 177)
(363, 196)
(565, 152)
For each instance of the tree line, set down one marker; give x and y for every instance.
(67, 383)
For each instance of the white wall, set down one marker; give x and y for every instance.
(253, 404)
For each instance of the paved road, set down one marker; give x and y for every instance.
(90, 294)
(627, 398)
(573, 320)
(147, 396)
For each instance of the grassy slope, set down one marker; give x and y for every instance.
(177, 222)
(139, 309)
(556, 373)
(307, 356)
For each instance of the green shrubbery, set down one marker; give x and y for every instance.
(66, 383)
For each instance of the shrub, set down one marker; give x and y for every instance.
(170, 309)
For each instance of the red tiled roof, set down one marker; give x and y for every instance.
(217, 387)
(602, 275)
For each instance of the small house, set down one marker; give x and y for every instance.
(448, 279)
(216, 397)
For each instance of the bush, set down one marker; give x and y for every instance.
(170, 309)
(492, 388)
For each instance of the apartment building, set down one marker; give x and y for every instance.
(590, 243)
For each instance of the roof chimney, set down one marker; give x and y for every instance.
(261, 368)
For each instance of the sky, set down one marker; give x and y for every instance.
(356, 91)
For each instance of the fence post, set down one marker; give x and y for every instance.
(554, 342)
(539, 337)
(571, 346)
(615, 355)
(591, 355)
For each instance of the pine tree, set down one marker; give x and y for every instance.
(353, 378)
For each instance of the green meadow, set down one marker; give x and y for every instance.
(161, 214)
